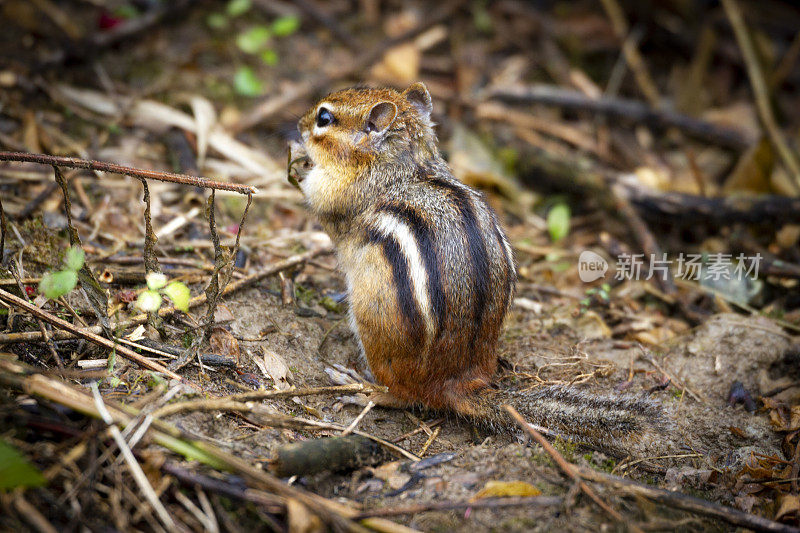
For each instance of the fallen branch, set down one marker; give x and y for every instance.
(579, 176)
(72, 162)
(13, 374)
(277, 420)
(487, 503)
(127, 353)
(236, 399)
(565, 466)
(630, 110)
(687, 503)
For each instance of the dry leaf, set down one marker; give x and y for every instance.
(788, 505)
(506, 489)
(205, 118)
(274, 367)
(753, 171)
(223, 343)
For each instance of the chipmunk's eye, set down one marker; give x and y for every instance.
(324, 118)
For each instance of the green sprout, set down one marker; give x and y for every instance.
(150, 300)
(56, 284)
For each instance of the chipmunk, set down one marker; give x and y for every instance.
(430, 272)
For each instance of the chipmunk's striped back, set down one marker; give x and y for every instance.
(452, 275)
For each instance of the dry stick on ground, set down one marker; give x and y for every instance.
(86, 164)
(581, 176)
(565, 466)
(623, 109)
(127, 353)
(488, 503)
(276, 420)
(31, 336)
(761, 90)
(322, 81)
(687, 503)
(17, 273)
(13, 374)
(187, 406)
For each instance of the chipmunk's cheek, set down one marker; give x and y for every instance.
(313, 186)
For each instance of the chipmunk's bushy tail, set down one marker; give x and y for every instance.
(601, 420)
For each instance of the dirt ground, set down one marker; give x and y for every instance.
(216, 88)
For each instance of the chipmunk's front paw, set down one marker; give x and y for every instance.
(388, 400)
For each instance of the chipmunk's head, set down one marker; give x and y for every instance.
(350, 133)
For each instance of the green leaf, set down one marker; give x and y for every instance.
(217, 21)
(246, 83)
(74, 258)
(558, 221)
(254, 39)
(179, 294)
(238, 7)
(269, 57)
(149, 301)
(284, 26)
(155, 280)
(56, 284)
(16, 471)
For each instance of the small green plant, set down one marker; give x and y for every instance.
(56, 284)
(558, 221)
(601, 293)
(150, 300)
(256, 41)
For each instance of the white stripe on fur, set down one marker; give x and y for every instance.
(391, 226)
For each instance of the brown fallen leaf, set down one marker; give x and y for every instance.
(274, 367)
(788, 506)
(223, 343)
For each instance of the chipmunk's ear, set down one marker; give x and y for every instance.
(418, 96)
(380, 117)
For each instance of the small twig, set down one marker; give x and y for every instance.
(47, 337)
(170, 177)
(133, 465)
(367, 408)
(565, 466)
(487, 503)
(688, 503)
(204, 405)
(430, 440)
(31, 336)
(761, 90)
(150, 238)
(97, 339)
(647, 242)
(275, 420)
